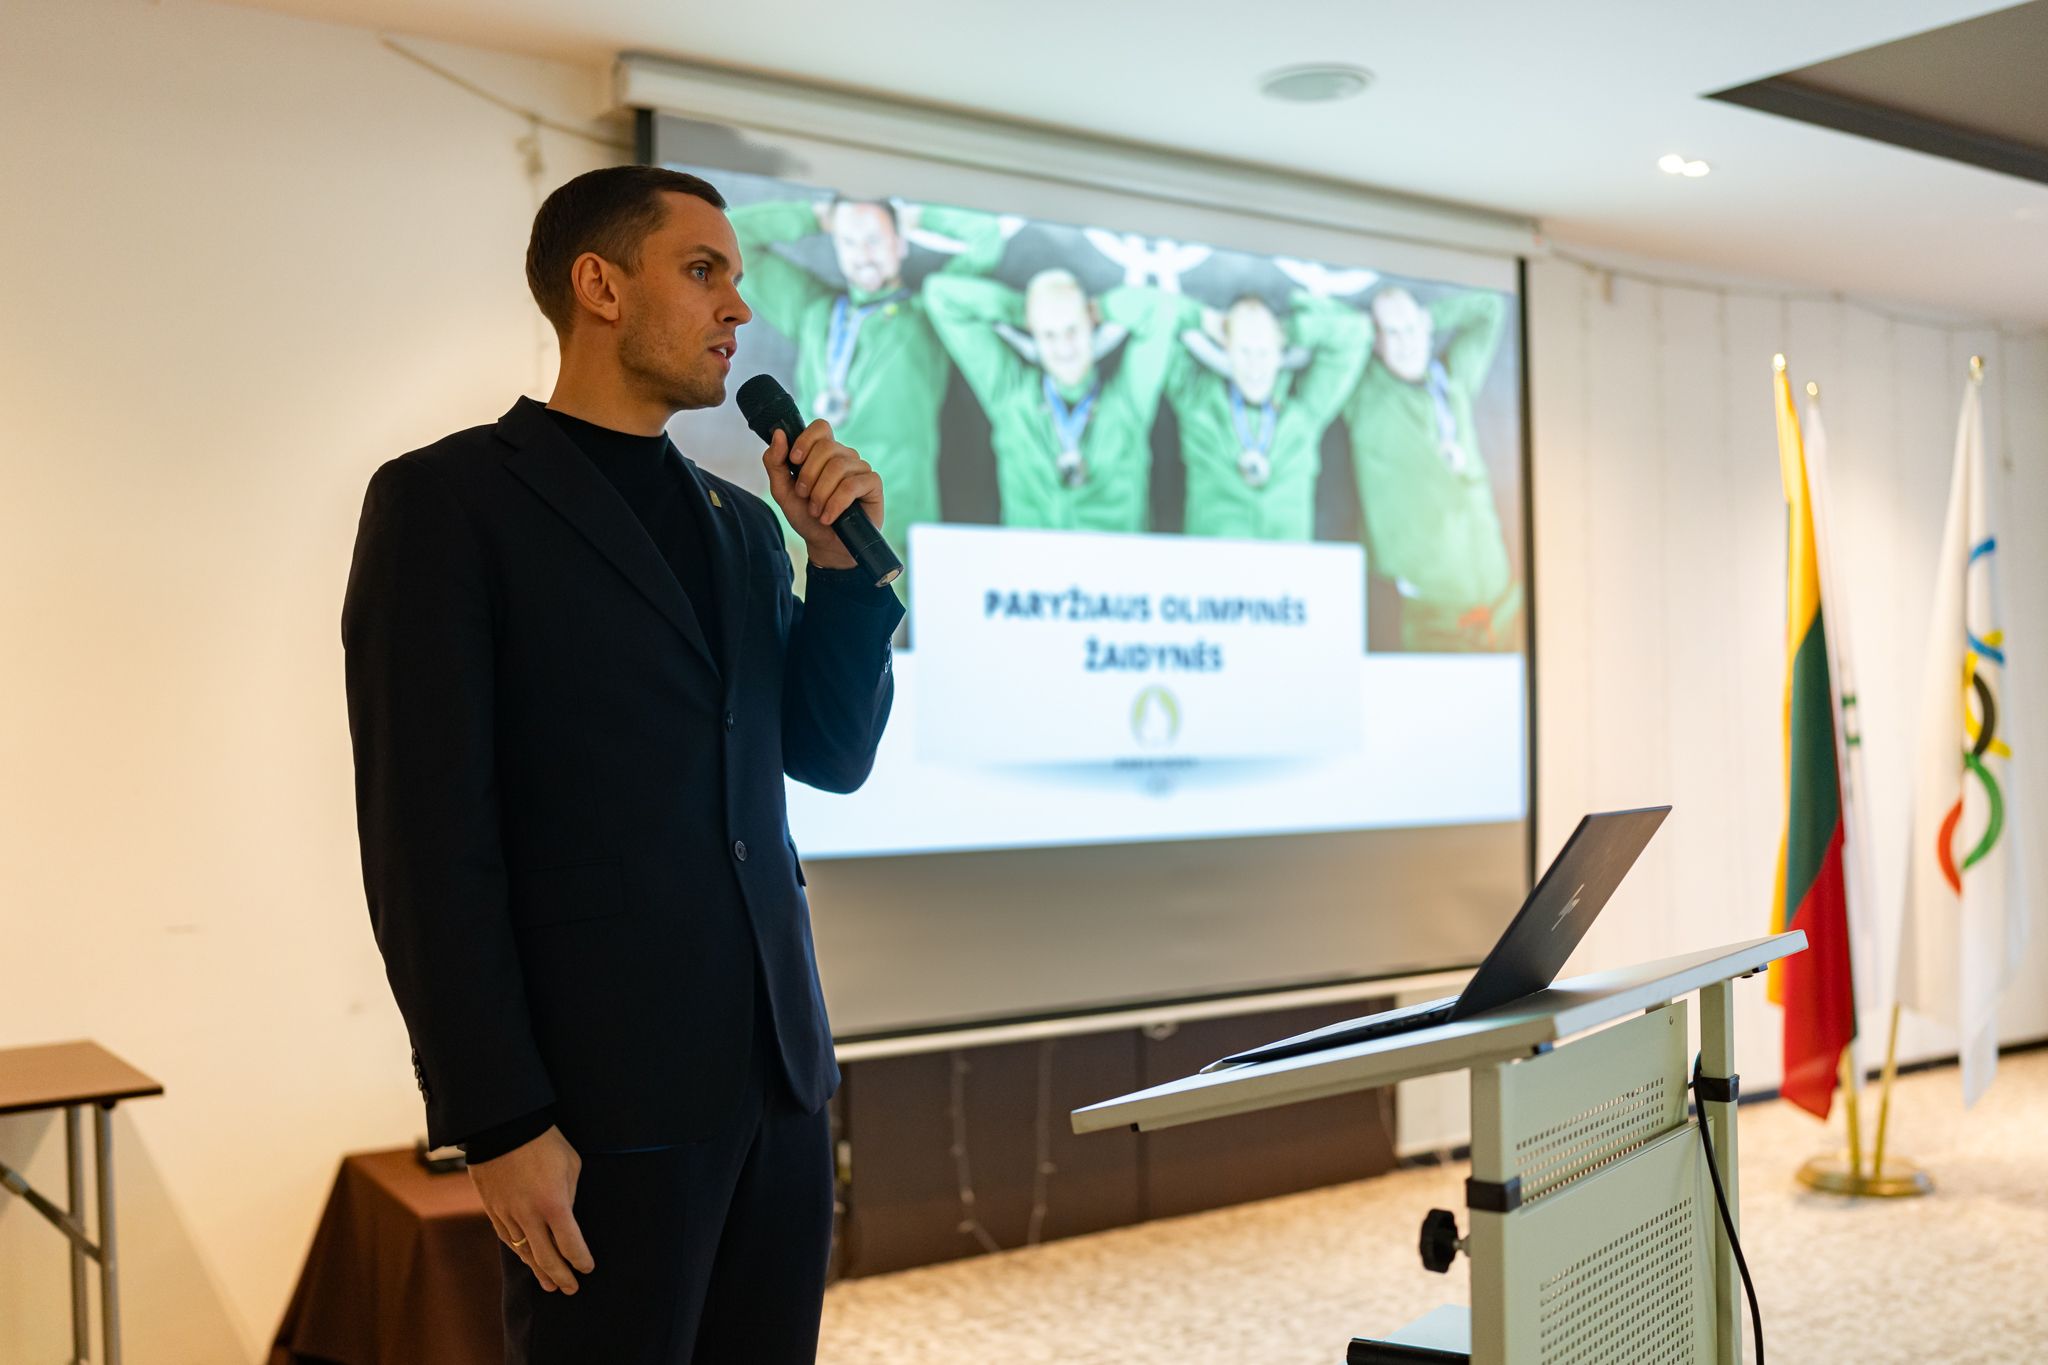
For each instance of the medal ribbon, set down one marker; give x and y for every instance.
(1439, 385)
(1269, 416)
(847, 320)
(1068, 423)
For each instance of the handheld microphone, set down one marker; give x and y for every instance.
(768, 409)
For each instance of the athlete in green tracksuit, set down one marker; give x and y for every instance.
(1253, 397)
(1070, 386)
(868, 361)
(1430, 520)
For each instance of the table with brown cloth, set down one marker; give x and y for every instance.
(403, 1271)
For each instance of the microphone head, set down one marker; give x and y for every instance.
(768, 407)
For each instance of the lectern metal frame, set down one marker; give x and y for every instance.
(1593, 1231)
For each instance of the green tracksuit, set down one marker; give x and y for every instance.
(1120, 398)
(1430, 520)
(895, 375)
(1217, 428)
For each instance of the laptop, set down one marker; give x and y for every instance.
(1527, 957)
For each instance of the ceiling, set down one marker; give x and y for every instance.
(1557, 111)
(1985, 75)
(1972, 92)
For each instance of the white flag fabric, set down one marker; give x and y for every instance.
(1857, 877)
(1963, 929)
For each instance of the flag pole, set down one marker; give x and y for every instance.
(1909, 1179)
(1884, 1092)
(1891, 1050)
(1892, 1177)
(1852, 1100)
(1909, 1172)
(1851, 1066)
(1847, 1174)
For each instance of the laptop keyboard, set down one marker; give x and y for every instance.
(1407, 1019)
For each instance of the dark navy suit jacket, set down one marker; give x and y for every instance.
(574, 840)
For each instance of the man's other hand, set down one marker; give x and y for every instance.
(530, 1195)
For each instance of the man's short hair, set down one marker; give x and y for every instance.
(1052, 282)
(1251, 296)
(1390, 290)
(887, 206)
(609, 212)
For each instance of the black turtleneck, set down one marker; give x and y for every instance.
(649, 474)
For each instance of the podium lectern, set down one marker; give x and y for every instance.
(1593, 1230)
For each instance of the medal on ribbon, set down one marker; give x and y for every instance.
(1068, 424)
(1254, 463)
(833, 401)
(1448, 445)
(832, 405)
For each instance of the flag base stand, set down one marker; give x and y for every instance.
(1900, 1178)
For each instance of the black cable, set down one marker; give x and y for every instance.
(1756, 1317)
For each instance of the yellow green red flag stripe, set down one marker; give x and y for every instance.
(1816, 986)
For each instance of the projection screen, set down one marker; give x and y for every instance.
(1215, 675)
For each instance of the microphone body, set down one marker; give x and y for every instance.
(768, 409)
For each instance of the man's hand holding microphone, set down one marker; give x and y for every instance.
(814, 479)
(832, 497)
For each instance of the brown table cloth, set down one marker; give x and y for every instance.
(403, 1271)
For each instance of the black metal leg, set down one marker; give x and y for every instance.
(74, 1177)
(110, 1298)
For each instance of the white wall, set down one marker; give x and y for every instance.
(249, 258)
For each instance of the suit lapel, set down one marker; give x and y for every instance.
(731, 573)
(550, 463)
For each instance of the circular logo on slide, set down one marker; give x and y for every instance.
(1155, 717)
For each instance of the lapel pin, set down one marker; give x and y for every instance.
(714, 499)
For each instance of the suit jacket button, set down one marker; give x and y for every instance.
(730, 721)
(739, 850)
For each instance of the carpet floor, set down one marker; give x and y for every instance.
(1957, 1278)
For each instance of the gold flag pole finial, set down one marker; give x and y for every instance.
(1976, 367)
(1812, 389)
(1778, 363)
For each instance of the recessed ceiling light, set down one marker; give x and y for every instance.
(1671, 163)
(1316, 83)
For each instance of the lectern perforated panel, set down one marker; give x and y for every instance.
(1631, 1300)
(1594, 1136)
(1608, 1261)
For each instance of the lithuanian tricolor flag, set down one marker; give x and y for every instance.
(1815, 986)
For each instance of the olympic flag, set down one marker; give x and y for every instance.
(1963, 927)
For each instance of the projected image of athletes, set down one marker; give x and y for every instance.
(1000, 370)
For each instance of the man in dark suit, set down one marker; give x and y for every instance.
(577, 675)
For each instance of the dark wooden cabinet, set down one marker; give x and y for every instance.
(941, 1152)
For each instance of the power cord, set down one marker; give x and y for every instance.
(1756, 1317)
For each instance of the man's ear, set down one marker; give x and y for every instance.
(592, 283)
